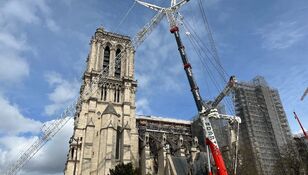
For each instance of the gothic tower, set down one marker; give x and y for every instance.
(105, 131)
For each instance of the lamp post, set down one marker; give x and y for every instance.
(75, 162)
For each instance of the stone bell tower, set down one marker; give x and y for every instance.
(105, 131)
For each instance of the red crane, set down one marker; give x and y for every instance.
(204, 110)
(300, 124)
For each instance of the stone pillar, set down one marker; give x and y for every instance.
(108, 137)
(131, 63)
(87, 151)
(162, 155)
(98, 57)
(112, 61)
(194, 150)
(146, 163)
(126, 144)
(127, 63)
(181, 149)
(126, 124)
(92, 55)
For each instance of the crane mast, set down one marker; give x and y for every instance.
(204, 110)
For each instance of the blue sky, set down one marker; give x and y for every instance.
(44, 45)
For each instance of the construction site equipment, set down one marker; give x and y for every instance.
(300, 124)
(205, 111)
(304, 95)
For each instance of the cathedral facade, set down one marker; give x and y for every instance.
(107, 131)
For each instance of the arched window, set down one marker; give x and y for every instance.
(118, 142)
(116, 94)
(104, 93)
(117, 64)
(72, 153)
(106, 60)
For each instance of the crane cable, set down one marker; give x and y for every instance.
(199, 51)
(199, 40)
(194, 39)
(194, 44)
(125, 16)
(210, 35)
(216, 57)
(212, 42)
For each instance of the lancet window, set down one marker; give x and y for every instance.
(117, 64)
(106, 60)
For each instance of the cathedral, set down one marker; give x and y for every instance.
(107, 131)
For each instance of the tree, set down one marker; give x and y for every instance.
(123, 169)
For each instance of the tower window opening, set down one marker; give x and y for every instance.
(118, 95)
(106, 60)
(115, 95)
(117, 65)
(104, 93)
(72, 153)
(118, 141)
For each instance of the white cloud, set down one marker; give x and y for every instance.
(52, 25)
(20, 10)
(158, 68)
(281, 35)
(12, 68)
(9, 41)
(63, 94)
(15, 13)
(143, 80)
(13, 122)
(49, 160)
(143, 106)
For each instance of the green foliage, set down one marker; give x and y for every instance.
(123, 169)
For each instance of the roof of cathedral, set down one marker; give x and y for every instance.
(163, 119)
(110, 110)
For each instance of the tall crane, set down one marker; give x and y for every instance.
(204, 110)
